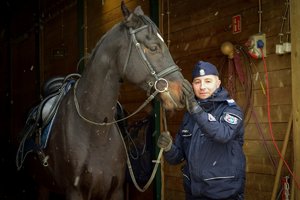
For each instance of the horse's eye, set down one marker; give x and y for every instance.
(153, 48)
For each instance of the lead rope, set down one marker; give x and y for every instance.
(162, 193)
(157, 161)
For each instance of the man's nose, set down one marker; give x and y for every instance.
(202, 85)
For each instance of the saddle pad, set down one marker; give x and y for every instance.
(28, 143)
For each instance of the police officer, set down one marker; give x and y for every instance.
(210, 139)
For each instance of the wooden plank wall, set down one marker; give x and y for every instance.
(197, 30)
(59, 39)
(33, 54)
(22, 68)
(18, 88)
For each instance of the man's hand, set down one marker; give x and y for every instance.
(165, 141)
(191, 103)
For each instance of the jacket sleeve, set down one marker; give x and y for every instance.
(224, 129)
(176, 154)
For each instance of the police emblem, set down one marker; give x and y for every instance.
(231, 119)
(202, 72)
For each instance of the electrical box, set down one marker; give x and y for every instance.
(255, 43)
(283, 48)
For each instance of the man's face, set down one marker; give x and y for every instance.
(205, 86)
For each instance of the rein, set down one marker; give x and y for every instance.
(157, 162)
(148, 100)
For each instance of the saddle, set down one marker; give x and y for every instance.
(35, 133)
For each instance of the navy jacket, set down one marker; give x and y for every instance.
(211, 144)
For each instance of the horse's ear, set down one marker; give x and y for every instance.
(131, 20)
(125, 10)
(138, 11)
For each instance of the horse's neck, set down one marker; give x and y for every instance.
(98, 90)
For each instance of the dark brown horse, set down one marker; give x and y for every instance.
(85, 155)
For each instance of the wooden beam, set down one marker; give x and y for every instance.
(295, 65)
(81, 16)
(283, 151)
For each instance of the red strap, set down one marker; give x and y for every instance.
(238, 67)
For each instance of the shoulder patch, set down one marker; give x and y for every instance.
(231, 119)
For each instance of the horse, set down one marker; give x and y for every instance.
(85, 156)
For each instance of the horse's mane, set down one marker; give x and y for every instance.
(92, 55)
(147, 20)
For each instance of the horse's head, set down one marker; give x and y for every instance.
(147, 60)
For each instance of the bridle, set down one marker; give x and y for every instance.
(159, 77)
